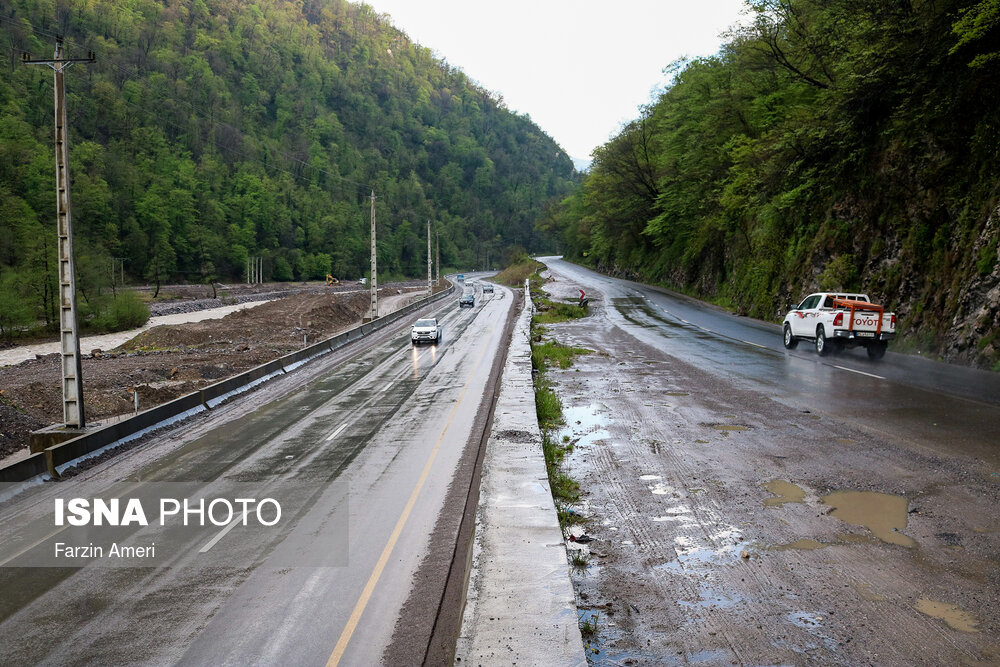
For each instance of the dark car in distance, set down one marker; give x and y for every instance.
(467, 300)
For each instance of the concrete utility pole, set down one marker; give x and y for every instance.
(69, 333)
(430, 281)
(437, 258)
(374, 313)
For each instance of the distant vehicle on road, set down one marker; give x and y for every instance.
(467, 300)
(362, 281)
(487, 288)
(461, 277)
(834, 321)
(425, 331)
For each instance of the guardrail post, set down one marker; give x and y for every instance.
(50, 464)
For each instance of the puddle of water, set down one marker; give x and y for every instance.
(801, 545)
(585, 424)
(884, 515)
(690, 557)
(812, 623)
(677, 393)
(785, 492)
(710, 598)
(661, 489)
(954, 616)
(647, 478)
(674, 514)
(729, 427)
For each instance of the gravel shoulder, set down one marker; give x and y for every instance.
(729, 528)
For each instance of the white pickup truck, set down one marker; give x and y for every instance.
(834, 321)
(425, 331)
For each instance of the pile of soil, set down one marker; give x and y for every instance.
(166, 362)
(15, 426)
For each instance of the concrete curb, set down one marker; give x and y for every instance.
(520, 607)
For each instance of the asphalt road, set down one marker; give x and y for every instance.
(748, 505)
(359, 450)
(933, 404)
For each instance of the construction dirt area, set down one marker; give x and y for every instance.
(165, 362)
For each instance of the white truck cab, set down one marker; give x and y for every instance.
(835, 320)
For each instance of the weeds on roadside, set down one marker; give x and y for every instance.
(548, 407)
(588, 627)
(579, 559)
(550, 352)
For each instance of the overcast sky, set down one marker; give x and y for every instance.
(579, 68)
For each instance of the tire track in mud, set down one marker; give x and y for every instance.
(765, 591)
(631, 517)
(704, 523)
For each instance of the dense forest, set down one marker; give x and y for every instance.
(210, 131)
(830, 144)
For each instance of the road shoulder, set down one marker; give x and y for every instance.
(520, 607)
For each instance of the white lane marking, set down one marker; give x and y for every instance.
(851, 370)
(222, 533)
(755, 344)
(386, 388)
(684, 321)
(337, 432)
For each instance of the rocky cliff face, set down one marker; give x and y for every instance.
(973, 333)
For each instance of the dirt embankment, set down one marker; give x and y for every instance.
(168, 361)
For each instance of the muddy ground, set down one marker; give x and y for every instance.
(730, 529)
(166, 362)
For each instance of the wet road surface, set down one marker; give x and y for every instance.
(748, 505)
(361, 457)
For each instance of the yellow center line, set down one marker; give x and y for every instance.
(359, 608)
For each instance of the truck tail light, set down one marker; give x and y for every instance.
(893, 321)
(838, 320)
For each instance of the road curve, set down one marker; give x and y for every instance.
(749, 505)
(932, 404)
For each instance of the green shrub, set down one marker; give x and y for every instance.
(126, 311)
(15, 311)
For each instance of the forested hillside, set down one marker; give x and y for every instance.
(830, 144)
(213, 130)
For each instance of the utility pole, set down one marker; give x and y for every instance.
(69, 333)
(437, 258)
(430, 281)
(374, 286)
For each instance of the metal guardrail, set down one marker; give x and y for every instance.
(58, 456)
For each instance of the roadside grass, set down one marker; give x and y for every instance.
(551, 312)
(515, 274)
(554, 352)
(580, 560)
(548, 407)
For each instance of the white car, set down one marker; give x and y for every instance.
(833, 321)
(425, 331)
